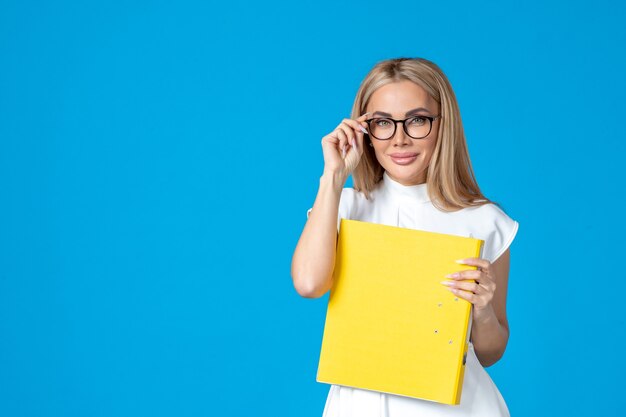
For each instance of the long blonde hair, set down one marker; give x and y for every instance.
(450, 177)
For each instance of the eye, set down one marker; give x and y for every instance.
(417, 121)
(382, 122)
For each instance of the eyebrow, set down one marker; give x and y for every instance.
(382, 113)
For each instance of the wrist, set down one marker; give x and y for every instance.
(336, 180)
(484, 314)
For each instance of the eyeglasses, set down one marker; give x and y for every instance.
(417, 126)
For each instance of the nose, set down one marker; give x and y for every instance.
(400, 137)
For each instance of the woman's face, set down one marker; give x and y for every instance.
(394, 100)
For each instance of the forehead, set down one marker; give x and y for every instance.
(400, 96)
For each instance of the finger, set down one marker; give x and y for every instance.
(483, 263)
(349, 128)
(343, 141)
(347, 133)
(354, 143)
(355, 125)
(331, 141)
(331, 137)
(360, 140)
(466, 285)
(331, 144)
(362, 121)
(466, 295)
(466, 274)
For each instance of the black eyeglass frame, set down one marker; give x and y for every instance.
(431, 119)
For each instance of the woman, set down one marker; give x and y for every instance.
(405, 149)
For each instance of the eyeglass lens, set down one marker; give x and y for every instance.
(417, 127)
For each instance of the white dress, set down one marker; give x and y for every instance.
(394, 204)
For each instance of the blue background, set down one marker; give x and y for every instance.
(156, 164)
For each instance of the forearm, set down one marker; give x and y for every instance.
(314, 257)
(489, 337)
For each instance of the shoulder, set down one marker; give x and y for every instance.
(350, 199)
(493, 225)
(489, 212)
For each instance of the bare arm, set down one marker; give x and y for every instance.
(490, 334)
(314, 257)
(313, 260)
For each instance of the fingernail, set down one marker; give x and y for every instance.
(343, 152)
(455, 275)
(460, 261)
(446, 283)
(364, 130)
(353, 143)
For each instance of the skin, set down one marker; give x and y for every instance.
(396, 99)
(490, 327)
(342, 151)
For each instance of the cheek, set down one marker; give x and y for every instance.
(379, 150)
(430, 147)
(428, 152)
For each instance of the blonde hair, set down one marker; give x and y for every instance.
(450, 177)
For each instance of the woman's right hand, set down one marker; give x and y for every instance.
(343, 147)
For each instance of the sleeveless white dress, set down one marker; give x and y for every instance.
(394, 204)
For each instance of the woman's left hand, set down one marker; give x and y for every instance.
(479, 293)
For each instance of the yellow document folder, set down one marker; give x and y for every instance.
(391, 326)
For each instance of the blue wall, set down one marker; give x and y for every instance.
(157, 160)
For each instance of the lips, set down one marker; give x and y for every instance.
(404, 158)
(403, 155)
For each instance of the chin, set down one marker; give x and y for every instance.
(405, 174)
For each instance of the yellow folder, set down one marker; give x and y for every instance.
(391, 326)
